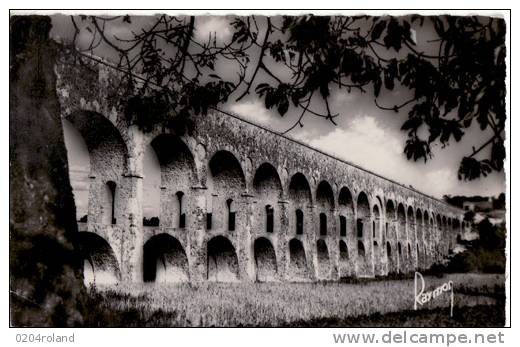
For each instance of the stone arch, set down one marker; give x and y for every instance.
(79, 168)
(108, 160)
(164, 260)
(100, 265)
(438, 230)
(266, 181)
(389, 228)
(265, 260)
(419, 222)
(300, 189)
(226, 183)
(300, 199)
(298, 268)
(376, 223)
(401, 221)
(346, 212)
(325, 206)
(410, 233)
(363, 216)
(427, 227)
(410, 218)
(325, 195)
(363, 234)
(152, 188)
(444, 228)
(178, 174)
(323, 260)
(376, 235)
(268, 190)
(420, 237)
(222, 261)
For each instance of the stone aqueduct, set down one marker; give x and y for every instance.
(238, 202)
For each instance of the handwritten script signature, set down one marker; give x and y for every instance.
(422, 297)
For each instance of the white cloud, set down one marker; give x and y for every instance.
(366, 142)
(255, 112)
(215, 25)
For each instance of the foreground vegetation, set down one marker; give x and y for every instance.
(377, 302)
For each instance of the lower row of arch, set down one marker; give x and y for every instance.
(165, 260)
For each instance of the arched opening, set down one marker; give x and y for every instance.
(108, 205)
(299, 222)
(401, 233)
(164, 260)
(419, 222)
(151, 198)
(178, 175)
(265, 260)
(346, 211)
(269, 216)
(342, 226)
(100, 265)
(231, 214)
(376, 223)
(222, 260)
(268, 191)
(390, 219)
(363, 213)
(376, 235)
(359, 227)
(297, 261)
(438, 232)
(226, 183)
(361, 249)
(181, 207)
(79, 168)
(401, 221)
(323, 260)
(300, 199)
(323, 224)
(426, 228)
(410, 217)
(325, 204)
(267, 183)
(300, 190)
(107, 153)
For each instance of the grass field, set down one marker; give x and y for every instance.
(372, 303)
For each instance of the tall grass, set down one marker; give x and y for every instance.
(274, 304)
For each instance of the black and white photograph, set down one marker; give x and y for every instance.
(338, 169)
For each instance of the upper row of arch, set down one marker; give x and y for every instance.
(172, 151)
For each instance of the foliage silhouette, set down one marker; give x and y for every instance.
(296, 62)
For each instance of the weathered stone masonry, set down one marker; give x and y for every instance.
(238, 202)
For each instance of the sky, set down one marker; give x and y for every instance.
(364, 135)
